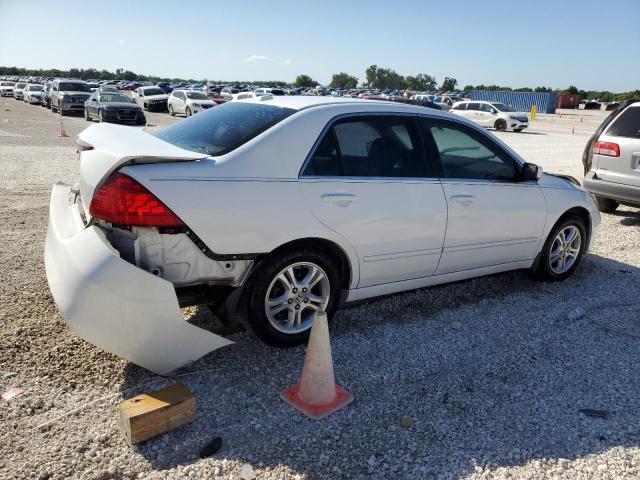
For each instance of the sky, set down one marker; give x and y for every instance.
(594, 45)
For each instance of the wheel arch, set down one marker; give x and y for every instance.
(335, 251)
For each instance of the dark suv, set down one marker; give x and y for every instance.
(69, 95)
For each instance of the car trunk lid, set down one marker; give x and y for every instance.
(111, 147)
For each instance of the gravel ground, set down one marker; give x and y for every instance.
(490, 373)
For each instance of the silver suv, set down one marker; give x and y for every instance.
(68, 95)
(612, 159)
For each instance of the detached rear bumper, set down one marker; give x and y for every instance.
(112, 303)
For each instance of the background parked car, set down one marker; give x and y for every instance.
(69, 95)
(45, 98)
(6, 89)
(18, 89)
(32, 93)
(151, 98)
(612, 159)
(188, 102)
(492, 114)
(113, 107)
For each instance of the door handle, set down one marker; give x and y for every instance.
(464, 200)
(339, 199)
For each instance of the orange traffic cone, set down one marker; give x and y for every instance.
(63, 132)
(317, 394)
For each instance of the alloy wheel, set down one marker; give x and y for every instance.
(565, 249)
(295, 296)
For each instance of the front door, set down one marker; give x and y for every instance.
(368, 180)
(494, 218)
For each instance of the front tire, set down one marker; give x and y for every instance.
(172, 111)
(606, 205)
(563, 250)
(99, 116)
(61, 110)
(284, 295)
(86, 115)
(187, 112)
(500, 125)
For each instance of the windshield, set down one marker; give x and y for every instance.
(7, 84)
(21, 85)
(502, 107)
(73, 87)
(197, 96)
(115, 97)
(35, 88)
(153, 91)
(224, 128)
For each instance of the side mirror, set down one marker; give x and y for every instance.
(531, 172)
(493, 111)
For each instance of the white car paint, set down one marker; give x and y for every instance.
(148, 99)
(181, 101)
(487, 114)
(32, 93)
(395, 233)
(6, 88)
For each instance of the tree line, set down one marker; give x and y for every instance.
(375, 77)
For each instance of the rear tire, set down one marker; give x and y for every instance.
(606, 205)
(500, 125)
(562, 253)
(298, 301)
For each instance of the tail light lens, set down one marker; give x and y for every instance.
(607, 149)
(124, 201)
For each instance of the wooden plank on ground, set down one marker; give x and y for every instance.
(151, 414)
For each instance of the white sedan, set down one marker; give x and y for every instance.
(492, 115)
(32, 93)
(188, 102)
(277, 208)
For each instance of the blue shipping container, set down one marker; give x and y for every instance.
(521, 101)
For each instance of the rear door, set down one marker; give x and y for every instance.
(494, 218)
(368, 180)
(624, 132)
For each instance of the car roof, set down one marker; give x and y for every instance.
(301, 102)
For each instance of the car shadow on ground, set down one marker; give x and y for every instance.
(491, 371)
(629, 218)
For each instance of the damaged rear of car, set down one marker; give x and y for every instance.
(121, 263)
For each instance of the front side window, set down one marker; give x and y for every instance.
(466, 154)
(485, 107)
(376, 146)
(627, 124)
(197, 96)
(473, 106)
(460, 106)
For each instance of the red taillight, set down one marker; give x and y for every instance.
(81, 145)
(607, 149)
(123, 201)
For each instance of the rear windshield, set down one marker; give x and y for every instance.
(114, 97)
(224, 128)
(627, 124)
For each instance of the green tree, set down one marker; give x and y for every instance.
(304, 81)
(449, 84)
(421, 82)
(343, 80)
(570, 91)
(377, 77)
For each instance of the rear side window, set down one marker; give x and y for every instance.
(461, 106)
(473, 106)
(223, 129)
(627, 124)
(377, 146)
